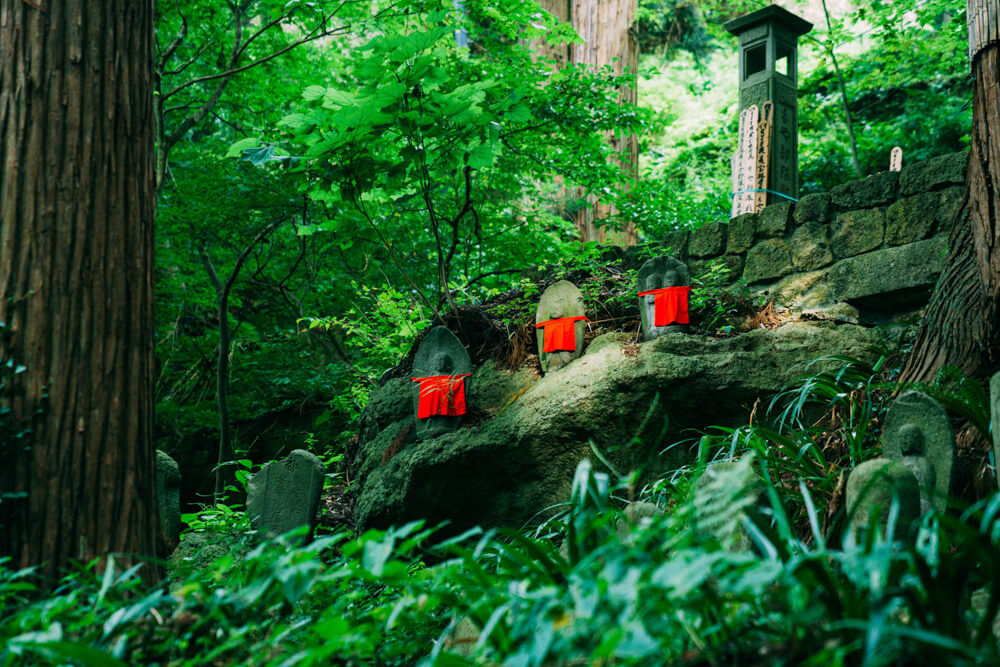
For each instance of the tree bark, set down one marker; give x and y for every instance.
(960, 327)
(225, 469)
(607, 26)
(76, 280)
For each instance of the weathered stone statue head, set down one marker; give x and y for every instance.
(871, 489)
(918, 433)
(559, 322)
(441, 369)
(663, 284)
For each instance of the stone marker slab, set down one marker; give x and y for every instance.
(918, 433)
(561, 300)
(871, 488)
(440, 353)
(656, 274)
(284, 495)
(168, 495)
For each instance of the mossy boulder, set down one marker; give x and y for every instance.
(630, 400)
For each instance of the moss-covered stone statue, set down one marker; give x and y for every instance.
(168, 494)
(441, 368)
(871, 488)
(559, 322)
(663, 285)
(918, 433)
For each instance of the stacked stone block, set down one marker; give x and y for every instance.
(870, 249)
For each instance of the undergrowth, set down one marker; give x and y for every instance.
(596, 584)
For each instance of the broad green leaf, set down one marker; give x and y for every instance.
(481, 156)
(236, 150)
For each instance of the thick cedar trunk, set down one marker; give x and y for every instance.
(607, 28)
(960, 327)
(76, 281)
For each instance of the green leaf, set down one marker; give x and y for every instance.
(336, 98)
(86, 655)
(313, 93)
(236, 150)
(481, 156)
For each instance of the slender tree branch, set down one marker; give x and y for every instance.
(172, 47)
(843, 95)
(260, 61)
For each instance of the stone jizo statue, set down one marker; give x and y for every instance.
(663, 286)
(441, 368)
(918, 433)
(871, 489)
(559, 322)
(168, 493)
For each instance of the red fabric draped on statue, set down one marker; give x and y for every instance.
(441, 395)
(670, 305)
(560, 334)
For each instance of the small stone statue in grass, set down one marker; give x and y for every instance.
(441, 368)
(559, 322)
(663, 285)
(871, 489)
(918, 433)
(168, 490)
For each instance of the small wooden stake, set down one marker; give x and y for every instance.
(896, 159)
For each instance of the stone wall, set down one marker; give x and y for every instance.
(868, 251)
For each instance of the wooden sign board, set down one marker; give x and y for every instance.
(763, 157)
(746, 161)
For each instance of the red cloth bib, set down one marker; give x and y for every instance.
(560, 334)
(441, 395)
(670, 305)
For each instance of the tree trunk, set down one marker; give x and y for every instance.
(224, 470)
(607, 26)
(76, 280)
(960, 327)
